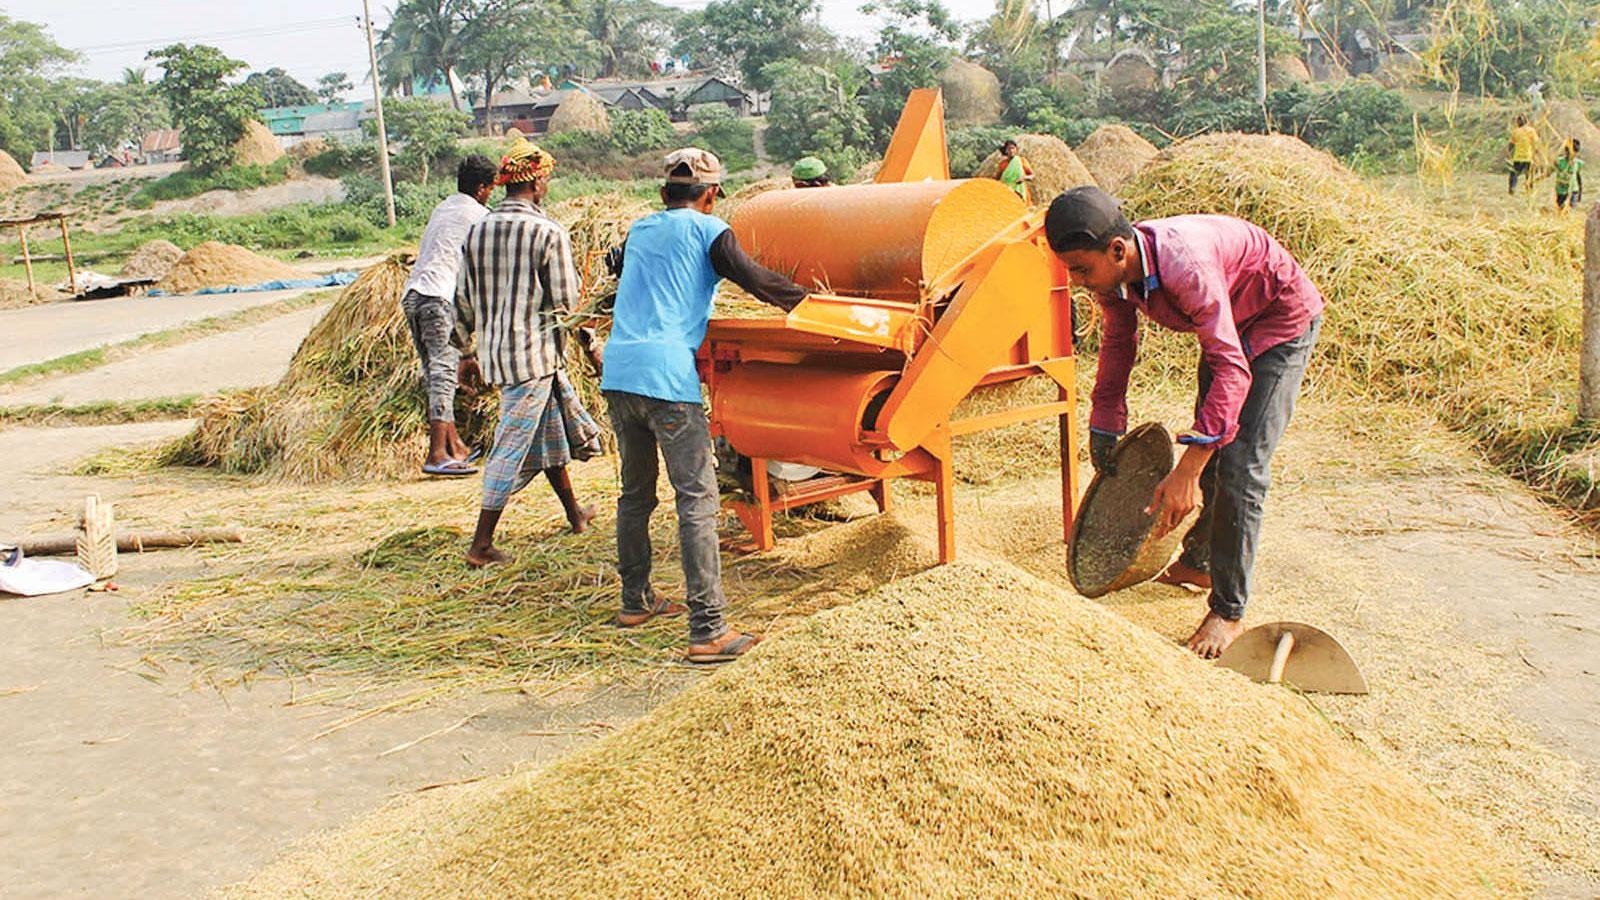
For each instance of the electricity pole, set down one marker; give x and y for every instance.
(1261, 53)
(377, 100)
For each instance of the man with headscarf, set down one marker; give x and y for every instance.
(517, 279)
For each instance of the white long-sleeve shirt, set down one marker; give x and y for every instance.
(439, 254)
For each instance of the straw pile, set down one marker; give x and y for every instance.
(1131, 70)
(214, 264)
(1286, 70)
(970, 731)
(257, 147)
(971, 94)
(1113, 154)
(11, 174)
(1476, 321)
(580, 111)
(154, 259)
(305, 150)
(1055, 166)
(1566, 120)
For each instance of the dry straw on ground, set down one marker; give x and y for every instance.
(1055, 166)
(1113, 154)
(214, 264)
(971, 731)
(257, 147)
(153, 259)
(972, 94)
(11, 174)
(1477, 321)
(580, 111)
(305, 150)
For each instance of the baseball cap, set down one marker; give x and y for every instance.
(691, 165)
(807, 168)
(1083, 218)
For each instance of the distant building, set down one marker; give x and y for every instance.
(161, 146)
(290, 121)
(67, 159)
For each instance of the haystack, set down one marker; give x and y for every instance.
(581, 111)
(1113, 154)
(1477, 322)
(257, 147)
(971, 94)
(214, 264)
(307, 149)
(1565, 120)
(970, 731)
(11, 174)
(1055, 166)
(1131, 71)
(1287, 70)
(154, 259)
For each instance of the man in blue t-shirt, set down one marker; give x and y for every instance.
(670, 266)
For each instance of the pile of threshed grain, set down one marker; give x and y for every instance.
(214, 264)
(580, 111)
(257, 147)
(153, 259)
(1055, 166)
(971, 94)
(11, 174)
(1478, 322)
(1113, 154)
(969, 731)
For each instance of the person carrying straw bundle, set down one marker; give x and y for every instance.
(517, 280)
(427, 303)
(1256, 315)
(669, 267)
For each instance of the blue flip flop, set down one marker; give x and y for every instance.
(474, 456)
(450, 468)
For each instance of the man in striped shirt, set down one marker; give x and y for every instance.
(517, 278)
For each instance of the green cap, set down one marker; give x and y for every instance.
(808, 168)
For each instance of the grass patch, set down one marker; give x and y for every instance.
(84, 360)
(102, 412)
(188, 182)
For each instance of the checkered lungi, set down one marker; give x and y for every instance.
(542, 426)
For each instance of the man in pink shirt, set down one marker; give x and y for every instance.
(1256, 316)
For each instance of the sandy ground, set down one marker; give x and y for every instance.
(251, 356)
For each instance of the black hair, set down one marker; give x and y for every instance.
(1065, 234)
(1576, 145)
(1008, 142)
(678, 192)
(474, 173)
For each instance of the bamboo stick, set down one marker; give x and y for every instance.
(66, 242)
(134, 541)
(27, 262)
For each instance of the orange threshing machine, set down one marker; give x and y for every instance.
(926, 290)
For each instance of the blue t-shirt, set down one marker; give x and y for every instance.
(664, 301)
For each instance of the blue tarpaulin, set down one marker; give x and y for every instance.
(337, 279)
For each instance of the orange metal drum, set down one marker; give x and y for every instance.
(801, 414)
(879, 240)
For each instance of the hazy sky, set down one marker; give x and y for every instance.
(308, 38)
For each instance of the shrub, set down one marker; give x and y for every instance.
(722, 132)
(635, 131)
(344, 158)
(1360, 121)
(191, 182)
(969, 146)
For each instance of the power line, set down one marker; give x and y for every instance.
(281, 29)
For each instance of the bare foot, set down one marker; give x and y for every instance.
(478, 557)
(1180, 575)
(585, 516)
(1214, 635)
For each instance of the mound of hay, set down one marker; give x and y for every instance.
(153, 259)
(1113, 154)
(1287, 70)
(970, 731)
(1479, 322)
(257, 147)
(1565, 120)
(1055, 166)
(308, 149)
(581, 111)
(727, 205)
(11, 174)
(214, 264)
(1131, 70)
(971, 94)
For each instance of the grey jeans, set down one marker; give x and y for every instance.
(1235, 480)
(680, 430)
(432, 321)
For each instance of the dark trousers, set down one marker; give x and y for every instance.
(1518, 170)
(681, 432)
(1235, 480)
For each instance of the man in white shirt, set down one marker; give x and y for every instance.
(429, 305)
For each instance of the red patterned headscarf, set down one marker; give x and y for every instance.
(525, 161)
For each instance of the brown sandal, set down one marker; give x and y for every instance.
(663, 607)
(732, 650)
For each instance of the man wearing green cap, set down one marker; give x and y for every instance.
(810, 172)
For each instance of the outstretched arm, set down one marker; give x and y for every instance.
(731, 262)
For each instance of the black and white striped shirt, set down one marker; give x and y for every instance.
(516, 280)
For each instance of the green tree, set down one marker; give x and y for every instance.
(753, 34)
(1219, 49)
(28, 59)
(625, 34)
(1502, 47)
(815, 113)
(333, 86)
(123, 113)
(519, 39)
(212, 113)
(915, 37)
(427, 131)
(278, 88)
